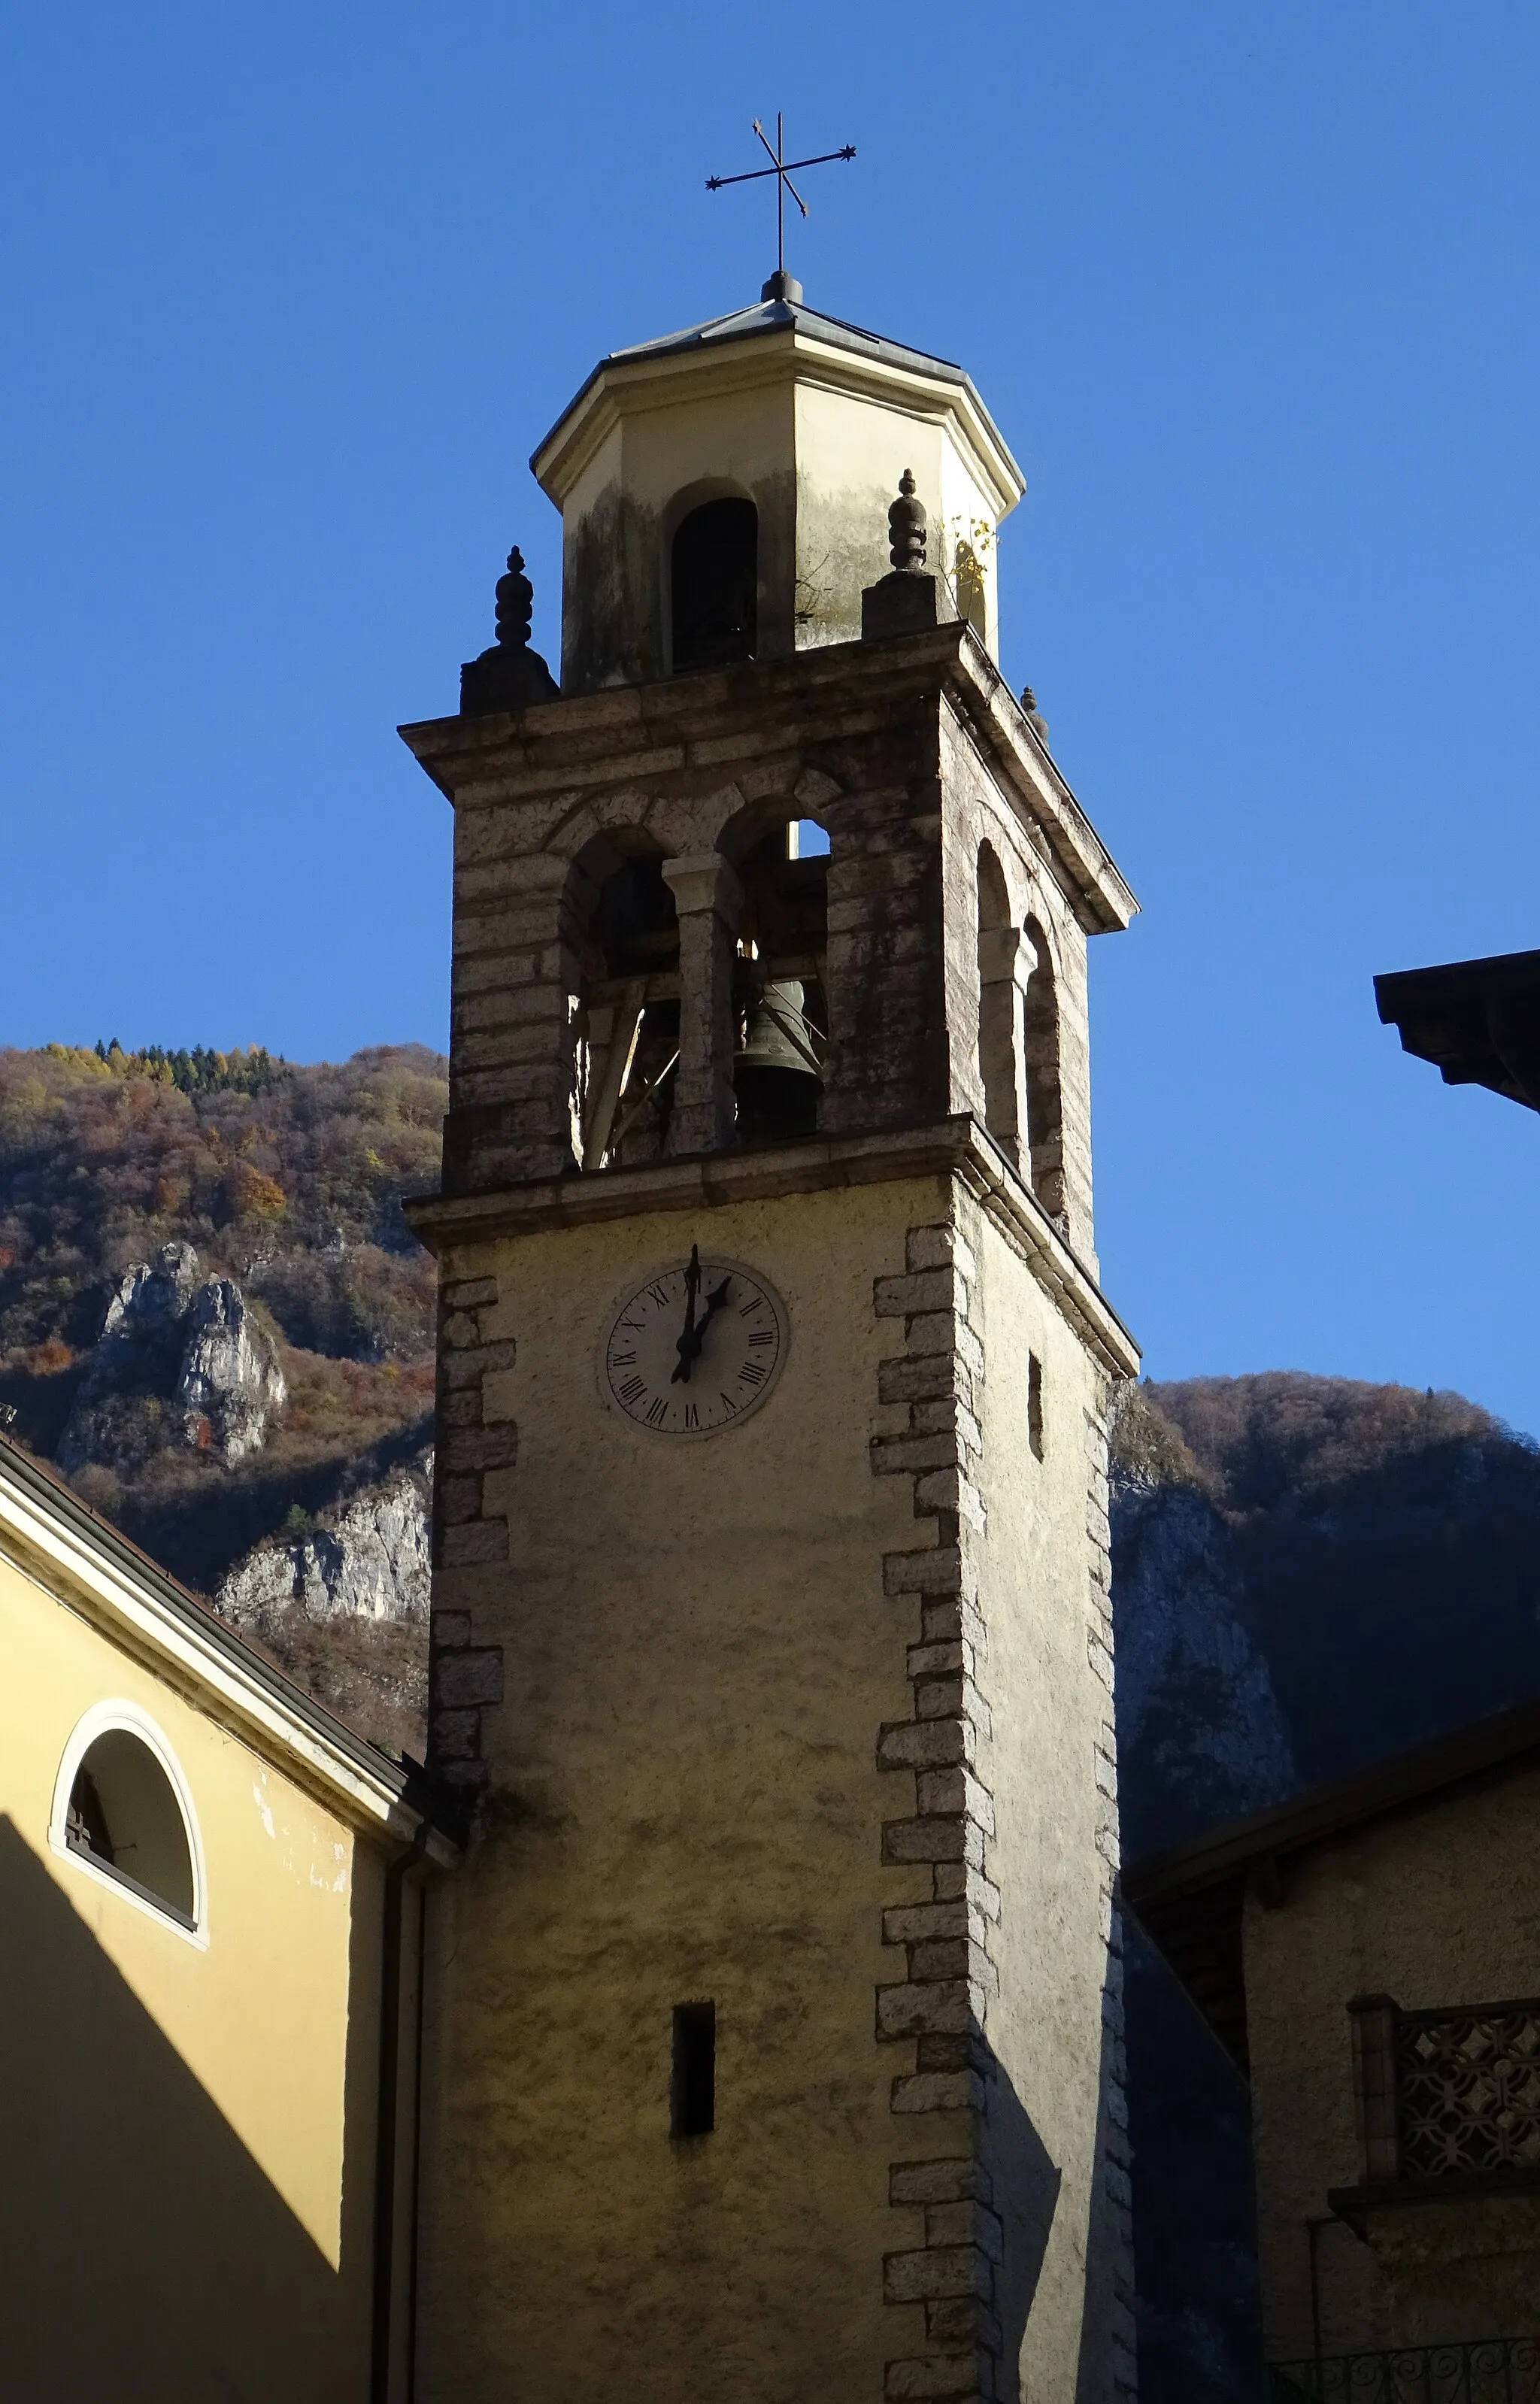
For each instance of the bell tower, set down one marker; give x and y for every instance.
(772, 2019)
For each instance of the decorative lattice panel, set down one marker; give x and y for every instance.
(1468, 2090)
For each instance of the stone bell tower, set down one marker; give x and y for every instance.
(773, 2021)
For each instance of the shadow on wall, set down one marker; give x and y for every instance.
(144, 2254)
(1199, 2307)
(1025, 2184)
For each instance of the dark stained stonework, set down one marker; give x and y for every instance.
(866, 738)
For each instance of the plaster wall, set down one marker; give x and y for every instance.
(653, 464)
(696, 1655)
(1438, 1908)
(678, 1688)
(821, 464)
(850, 453)
(1054, 2117)
(185, 2158)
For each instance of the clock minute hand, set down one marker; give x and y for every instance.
(696, 1337)
(688, 1345)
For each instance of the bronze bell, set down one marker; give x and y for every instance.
(777, 1076)
(778, 1035)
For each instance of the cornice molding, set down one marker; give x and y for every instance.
(625, 385)
(731, 719)
(711, 1180)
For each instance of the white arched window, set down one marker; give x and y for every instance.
(123, 1816)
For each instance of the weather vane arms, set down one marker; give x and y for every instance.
(783, 169)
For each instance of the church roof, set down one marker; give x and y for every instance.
(767, 316)
(772, 317)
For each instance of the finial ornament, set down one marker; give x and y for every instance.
(515, 603)
(904, 600)
(1035, 719)
(906, 530)
(508, 674)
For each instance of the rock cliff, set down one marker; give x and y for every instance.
(229, 1382)
(1201, 1734)
(179, 1358)
(367, 1560)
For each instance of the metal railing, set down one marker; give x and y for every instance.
(1487, 2371)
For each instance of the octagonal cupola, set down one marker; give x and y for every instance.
(724, 491)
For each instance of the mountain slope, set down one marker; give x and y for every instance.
(213, 1314)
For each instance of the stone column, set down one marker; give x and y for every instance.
(709, 899)
(1006, 959)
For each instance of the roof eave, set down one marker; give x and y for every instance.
(138, 1604)
(556, 461)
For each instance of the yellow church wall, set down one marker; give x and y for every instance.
(1047, 1764)
(186, 2190)
(1439, 1909)
(697, 1656)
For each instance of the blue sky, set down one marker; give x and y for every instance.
(289, 295)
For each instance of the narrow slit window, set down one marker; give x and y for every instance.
(693, 2093)
(1034, 1405)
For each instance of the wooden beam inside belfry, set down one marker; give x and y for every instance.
(626, 1025)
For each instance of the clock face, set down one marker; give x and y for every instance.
(694, 1349)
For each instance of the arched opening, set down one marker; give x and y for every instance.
(124, 1816)
(622, 931)
(1045, 1116)
(998, 942)
(779, 1011)
(715, 585)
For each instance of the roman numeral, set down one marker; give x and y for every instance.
(692, 1416)
(631, 1391)
(753, 1373)
(749, 1307)
(658, 1297)
(759, 1336)
(623, 1360)
(730, 1405)
(657, 1411)
(632, 1326)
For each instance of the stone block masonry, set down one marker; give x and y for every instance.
(951, 2101)
(941, 2002)
(465, 1676)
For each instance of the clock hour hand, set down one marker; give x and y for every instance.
(713, 1304)
(688, 1345)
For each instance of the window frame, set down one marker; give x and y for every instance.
(119, 1717)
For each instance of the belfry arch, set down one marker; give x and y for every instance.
(621, 933)
(779, 1003)
(714, 585)
(998, 1057)
(1043, 1150)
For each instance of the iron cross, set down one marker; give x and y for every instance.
(782, 169)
